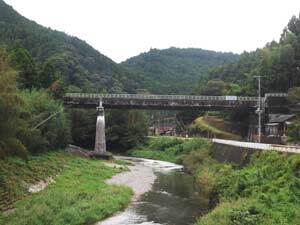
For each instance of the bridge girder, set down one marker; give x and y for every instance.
(173, 102)
(161, 104)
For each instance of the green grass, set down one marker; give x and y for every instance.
(168, 148)
(16, 174)
(122, 162)
(267, 191)
(169, 156)
(79, 194)
(201, 125)
(264, 192)
(240, 212)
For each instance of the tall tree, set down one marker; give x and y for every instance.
(10, 103)
(22, 61)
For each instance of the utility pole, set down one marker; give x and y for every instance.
(259, 110)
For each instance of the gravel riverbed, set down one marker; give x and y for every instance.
(140, 178)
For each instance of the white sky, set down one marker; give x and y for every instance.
(124, 28)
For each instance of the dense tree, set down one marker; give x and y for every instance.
(50, 134)
(83, 127)
(55, 63)
(125, 129)
(22, 110)
(278, 63)
(22, 61)
(294, 25)
(10, 107)
(174, 70)
(76, 62)
(214, 87)
(294, 95)
(217, 87)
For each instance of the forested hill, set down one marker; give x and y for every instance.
(71, 59)
(278, 63)
(175, 70)
(79, 67)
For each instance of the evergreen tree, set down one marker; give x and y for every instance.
(22, 61)
(10, 108)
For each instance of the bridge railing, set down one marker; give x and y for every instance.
(161, 97)
(276, 95)
(260, 146)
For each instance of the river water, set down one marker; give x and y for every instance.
(172, 200)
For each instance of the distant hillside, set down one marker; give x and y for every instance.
(175, 70)
(82, 68)
(278, 63)
(78, 63)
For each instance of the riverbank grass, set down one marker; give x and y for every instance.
(169, 149)
(79, 195)
(265, 191)
(214, 126)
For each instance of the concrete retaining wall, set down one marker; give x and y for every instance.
(240, 152)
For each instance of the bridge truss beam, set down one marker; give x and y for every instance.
(162, 102)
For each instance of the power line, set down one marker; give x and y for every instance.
(48, 118)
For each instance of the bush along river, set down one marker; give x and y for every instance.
(258, 188)
(164, 194)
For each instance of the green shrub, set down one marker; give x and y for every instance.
(54, 133)
(162, 143)
(21, 111)
(169, 148)
(241, 212)
(293, 132)
(270, 182)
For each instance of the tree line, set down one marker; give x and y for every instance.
(29, 94)
(278, 63)
(22, 109)
(39, 66)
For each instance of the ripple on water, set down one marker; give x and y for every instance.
(129, 217)
(171, 201)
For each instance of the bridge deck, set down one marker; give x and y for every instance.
(175, 102)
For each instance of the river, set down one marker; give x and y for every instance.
(164, 194)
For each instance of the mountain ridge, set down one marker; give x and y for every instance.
(84, 69)
(77, 61)
(176, 70)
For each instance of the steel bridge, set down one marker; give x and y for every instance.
(167, 102)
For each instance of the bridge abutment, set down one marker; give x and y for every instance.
(100, 143)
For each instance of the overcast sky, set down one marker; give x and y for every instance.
(124, 28)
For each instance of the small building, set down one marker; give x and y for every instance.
(276, 128)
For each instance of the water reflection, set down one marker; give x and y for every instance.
(173, 200)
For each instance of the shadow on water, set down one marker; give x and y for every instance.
(173, 200)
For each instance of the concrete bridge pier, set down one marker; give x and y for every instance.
(100, 144)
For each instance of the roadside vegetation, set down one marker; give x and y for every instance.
(78, 195)
(266, 191)
(211, 126)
